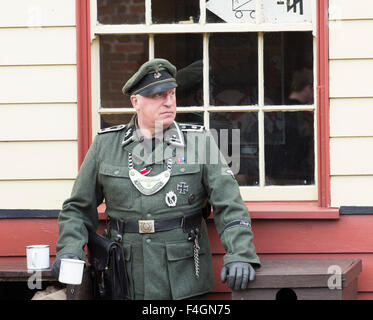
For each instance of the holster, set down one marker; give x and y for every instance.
(108, 269)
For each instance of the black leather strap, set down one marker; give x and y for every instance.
(187, 221)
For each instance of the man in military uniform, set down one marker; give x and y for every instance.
(156, 194)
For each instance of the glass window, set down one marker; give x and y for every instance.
(232, 11)
(289, 11)
(185, 51)
(237, 137)
(172, 11)
(120, 57)
(213, 18)
(233, 69)
(121, 11)
(247, 75)
(192, 118)
(289, 148)
(288, 68)
(109, 120)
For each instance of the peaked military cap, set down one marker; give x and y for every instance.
(154, 76)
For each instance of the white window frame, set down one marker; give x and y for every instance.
(249, 193)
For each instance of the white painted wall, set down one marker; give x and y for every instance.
(38, 99)
(351, 102)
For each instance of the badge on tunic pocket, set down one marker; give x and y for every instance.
(171, 199)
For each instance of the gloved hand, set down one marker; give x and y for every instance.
(239, 274)
(57, 264)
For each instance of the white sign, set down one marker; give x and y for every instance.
(233, 11)
(287, 11)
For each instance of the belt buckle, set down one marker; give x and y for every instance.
(146, 226)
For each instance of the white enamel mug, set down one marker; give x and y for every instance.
(71, 271)
(37, 257)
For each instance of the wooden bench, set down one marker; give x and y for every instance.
(16, 272)
(281, 279)
(16, 282)
(303, 279)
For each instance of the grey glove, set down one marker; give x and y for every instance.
(239, 274)
(57, 264)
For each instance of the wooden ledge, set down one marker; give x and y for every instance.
(290, 210)
(17, 271)
(308, 273)
(303, 279)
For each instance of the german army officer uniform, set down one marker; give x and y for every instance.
(157, 193)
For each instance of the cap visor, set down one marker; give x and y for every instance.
(158, 88)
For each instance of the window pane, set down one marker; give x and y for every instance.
(242, 156)
(109, 120)
(121, 11)
(289, 148)
(192, 118)
(290, 11)
(232, 11)
(171, 11)
(288, 68)
(185, 51)
(212, 17)
(120, 58)
(233, 69)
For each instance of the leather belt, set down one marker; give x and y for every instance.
(188, 221)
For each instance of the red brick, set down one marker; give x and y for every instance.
(137, 8)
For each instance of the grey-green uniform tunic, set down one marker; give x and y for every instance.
(160, 265)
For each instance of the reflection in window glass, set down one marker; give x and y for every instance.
(121, 11)
(120, 58)
(288, 68)
(171, 11)
(109, 120)
(185, 52)
(233, 69)
(242, 157)
(289, 148)
(192, 118)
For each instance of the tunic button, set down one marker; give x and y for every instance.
(148, 240)
(191, 198)
(116, 172)
(149, 215)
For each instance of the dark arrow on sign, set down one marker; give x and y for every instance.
(293, 6)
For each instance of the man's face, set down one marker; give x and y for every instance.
(155, 109)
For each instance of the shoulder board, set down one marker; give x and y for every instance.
(187, 127)
(111, 129)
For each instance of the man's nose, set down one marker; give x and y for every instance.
(168, 99)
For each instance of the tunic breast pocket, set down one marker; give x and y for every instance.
(186, 182)
(117, 186)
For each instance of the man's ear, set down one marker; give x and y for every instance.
(135, 102)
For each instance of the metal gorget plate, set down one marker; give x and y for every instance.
(145, 184)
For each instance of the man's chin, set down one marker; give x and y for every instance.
(167, 120)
